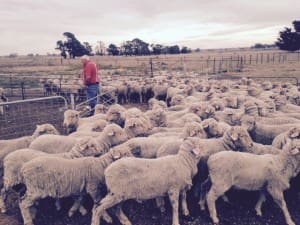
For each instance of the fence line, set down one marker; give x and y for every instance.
(21, 117)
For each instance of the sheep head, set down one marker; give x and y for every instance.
(71, 119)
(248, 122)
(44, 129)
(114, 134)
(240, 137)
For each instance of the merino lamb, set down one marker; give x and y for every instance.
(58, 177)
(274, 176)
(150, 178)
(8, 146)
(263, 133)
(283, 138)
(72, 120)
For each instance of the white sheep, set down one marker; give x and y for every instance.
(72, 120)
(111, 135)
(283, 138)
(150, 178)
(8, 146)
(275, 174)
(263, 133)
(58, 177)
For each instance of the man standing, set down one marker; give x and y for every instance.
(91, 81)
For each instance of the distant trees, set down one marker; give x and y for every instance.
(260, 46)
(72, 46)
(289, 39)
(139, 47)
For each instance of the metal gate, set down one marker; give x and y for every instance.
(19, 118)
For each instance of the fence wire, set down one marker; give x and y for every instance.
(19, 118)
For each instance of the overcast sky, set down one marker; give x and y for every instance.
(34, 26)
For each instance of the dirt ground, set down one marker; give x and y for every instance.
(240, 211)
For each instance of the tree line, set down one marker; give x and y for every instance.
(289, 40)
(72, 47)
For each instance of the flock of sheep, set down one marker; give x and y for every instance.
(207, 136)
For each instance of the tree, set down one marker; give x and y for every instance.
(156, 49)
(140, 47)
(113, 50)
(185, 50)
(100, 48)
(73, 47)
(61, 46)
(289, 40)
(174, 49)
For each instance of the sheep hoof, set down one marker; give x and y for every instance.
(258, 213)
(70, 214)
(107, 218)
(3, 210)
(202, 204)
(82, 211)
(186, 212)
(162, 209)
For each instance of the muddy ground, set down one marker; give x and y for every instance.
(240, 211)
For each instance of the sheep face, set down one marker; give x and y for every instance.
(137, 126)
(218, 106)
(115, 134)
(248, 122)
(88, 146)
(232, 102)
(99, 126)
(240, 137)
(212, 127)
(71, 118)
(113, 116)
(100, 108)
(44, 129)
(157, 117)
(294, 132)
(194, 129)
(177, 100)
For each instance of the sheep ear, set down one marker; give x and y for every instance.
(234, 136)
(294, 151)
(111, 133)
(196, 151)
(192, 133)
(294, 133)
(205, 125)
(116, 155)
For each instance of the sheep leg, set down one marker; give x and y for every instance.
(2, 200)
(277, 195)
(212, 196)
(174, 196)
(205, 186)
(184, 206)
(160, 203)
(75, 206)
(261, 200)
(25, 205)
(121, 216)
(108, 201)
(82, 210)
(57, 204)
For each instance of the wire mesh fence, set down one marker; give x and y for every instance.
(19, 118)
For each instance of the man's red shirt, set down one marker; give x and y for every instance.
(90, 73)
